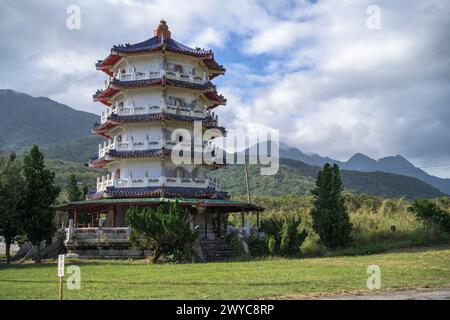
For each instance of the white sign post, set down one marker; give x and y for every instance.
(61, 274)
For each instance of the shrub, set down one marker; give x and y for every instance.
(283, 235)
(291, 237)
(165, 230)
(431, 214)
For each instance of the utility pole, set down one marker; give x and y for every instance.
(247, 183)
(248, 194)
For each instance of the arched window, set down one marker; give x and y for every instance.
(179, 102)
(117, 174)
(182, 173)
(119, 138)
(178, 68)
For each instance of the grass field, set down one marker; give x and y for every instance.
(234, 280)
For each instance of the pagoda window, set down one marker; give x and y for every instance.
(174, 101)
(175, 68)
(199, 174)
(119, 138)
(117, 174)
(178, 68)
(182, 173)
(170, 172)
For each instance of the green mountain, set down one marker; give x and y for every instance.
(296, 177)
(60, 131)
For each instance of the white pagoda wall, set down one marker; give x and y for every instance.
(141, 63)
(145, 63)
(141, 97)
(139, 132)
(137, 167)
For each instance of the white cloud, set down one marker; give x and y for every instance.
(327, 82)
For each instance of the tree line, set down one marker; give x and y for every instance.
(27, 196)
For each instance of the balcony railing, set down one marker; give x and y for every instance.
(131, 182)
(128, 110)
(97, 234)
(139, 75)
(147, 144)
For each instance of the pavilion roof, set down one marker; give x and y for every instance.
(224, 205)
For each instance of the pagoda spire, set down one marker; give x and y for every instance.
(162, 30)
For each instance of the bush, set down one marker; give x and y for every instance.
(165, 230)
(431, 214)
(291, 237)
(283, 235)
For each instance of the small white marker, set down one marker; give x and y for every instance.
(61, 274)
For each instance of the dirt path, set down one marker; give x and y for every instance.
(430, 293)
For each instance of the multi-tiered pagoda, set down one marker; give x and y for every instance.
(153, 88)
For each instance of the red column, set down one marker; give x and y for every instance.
(75, 218)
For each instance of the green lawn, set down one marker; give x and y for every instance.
(236, 280)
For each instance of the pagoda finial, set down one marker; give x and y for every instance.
(162, 30)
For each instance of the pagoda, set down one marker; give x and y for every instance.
(153, 88)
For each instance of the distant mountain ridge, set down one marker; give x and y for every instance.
(360, 162)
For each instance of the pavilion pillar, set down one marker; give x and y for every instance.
(206, 225)
(242, 219)
(75, 217)
(114, 211)
(219, 225)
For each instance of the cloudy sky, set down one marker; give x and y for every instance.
(312, 69)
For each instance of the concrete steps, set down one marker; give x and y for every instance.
(217, 250)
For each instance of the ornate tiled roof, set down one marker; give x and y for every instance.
(151, 153)
(99, 162)
(115, 119)
(116, 84)
(156, 43)
(161, 41)
(210, 193)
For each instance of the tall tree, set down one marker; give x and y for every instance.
(72, 189)
(39, 197)
(12, 186)
(330, 217)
